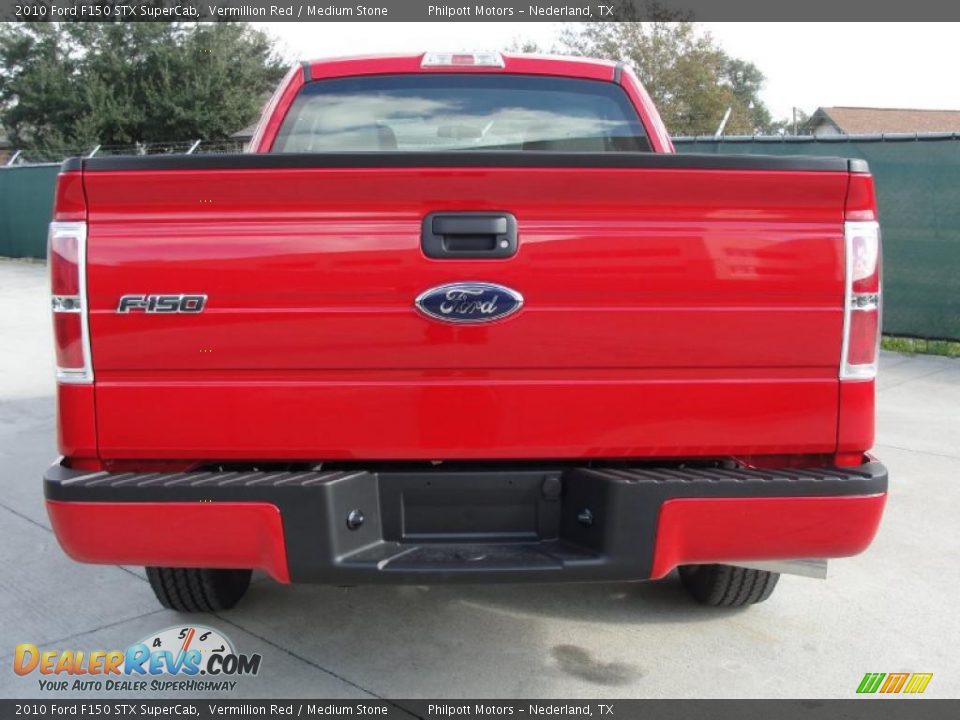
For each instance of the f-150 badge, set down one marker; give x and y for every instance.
(469, 302)
(162, 303)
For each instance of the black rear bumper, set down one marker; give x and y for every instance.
(486, 525)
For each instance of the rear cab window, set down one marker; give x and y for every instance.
(461, 112)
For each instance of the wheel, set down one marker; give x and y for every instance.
(726, 585)
(198, 589)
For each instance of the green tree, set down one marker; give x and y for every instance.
(689, 76)
(65, 86)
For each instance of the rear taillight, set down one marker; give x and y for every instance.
(67, 249)
(861, 326)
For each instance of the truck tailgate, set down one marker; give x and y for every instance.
(668, 311)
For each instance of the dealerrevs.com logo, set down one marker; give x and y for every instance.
(192, 658)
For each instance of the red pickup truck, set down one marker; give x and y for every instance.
(464, 317)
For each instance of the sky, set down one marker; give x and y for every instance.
(807, 65)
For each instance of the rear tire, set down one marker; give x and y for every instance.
(198, 589)
(726, 585)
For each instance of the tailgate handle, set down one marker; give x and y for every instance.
(469, 235)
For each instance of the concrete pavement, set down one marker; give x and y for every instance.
(891, 609)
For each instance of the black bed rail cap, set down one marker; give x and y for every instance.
(483, 159)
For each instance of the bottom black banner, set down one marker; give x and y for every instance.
(876, 709)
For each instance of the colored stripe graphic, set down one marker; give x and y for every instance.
(918, 682)
(894, 682)
(870, 682)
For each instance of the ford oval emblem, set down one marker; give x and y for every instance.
(469, 302)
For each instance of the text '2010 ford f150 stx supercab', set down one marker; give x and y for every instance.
(464, 317)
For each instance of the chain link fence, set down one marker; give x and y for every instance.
(19, 158)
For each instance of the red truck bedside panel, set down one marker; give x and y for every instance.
(76, 421)
(856, 422)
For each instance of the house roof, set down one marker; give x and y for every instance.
(863, 120)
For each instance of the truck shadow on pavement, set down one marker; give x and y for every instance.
(588, 634)
(663, 601)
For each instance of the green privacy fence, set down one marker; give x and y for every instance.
(26, 199)
(918, 188)
(918, 194)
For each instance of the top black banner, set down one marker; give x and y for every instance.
(487, 11)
